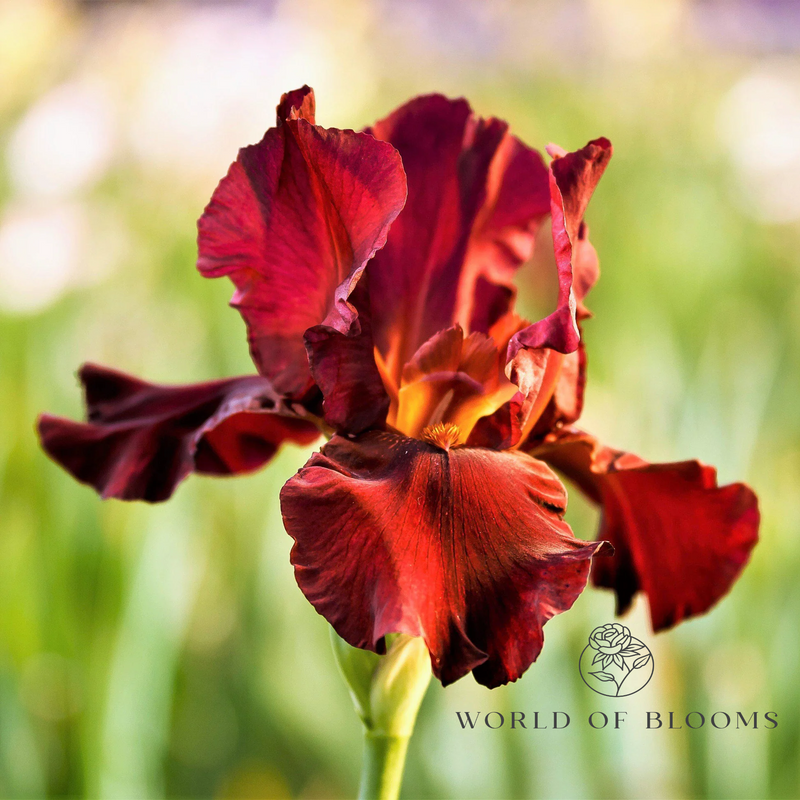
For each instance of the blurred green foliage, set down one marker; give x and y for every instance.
(165, 651)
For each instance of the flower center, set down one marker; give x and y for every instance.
(443, 435)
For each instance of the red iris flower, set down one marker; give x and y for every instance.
(374, 271)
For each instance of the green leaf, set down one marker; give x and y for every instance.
(602, 676)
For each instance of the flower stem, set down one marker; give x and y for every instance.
(387, 692)
(382, 767)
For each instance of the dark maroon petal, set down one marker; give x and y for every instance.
(573, 177)
(142, 440)
(538, 373)
(297, 104)
(566, 403)
(678, 537)
(585, 269)
(517, 201)
(466, 548)
(343, 366)
(293, 224)
(503, 428)
(476, 196)
(499, 430)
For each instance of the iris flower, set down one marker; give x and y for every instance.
(374, 271)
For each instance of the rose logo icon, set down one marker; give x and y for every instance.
(615, 663)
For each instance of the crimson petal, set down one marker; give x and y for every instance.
(466, 548)
(678, 537)
(142, 440)
(566, 404)
(543, 385)
(344, 368)
(293, 225)
(297, 104)
(476, 196)
(573, 177)
(548, 399)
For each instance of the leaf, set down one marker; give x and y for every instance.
(602, 676)
(619, 662)
(629, 651)
(641, 661)
(597, 658)
(636, 642)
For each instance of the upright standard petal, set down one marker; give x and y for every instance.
(547, 359)
(297, 104)
(476, 196)
(293, 225)
(566, 404)
(142, 440)
(465, 547)
(678, 537)
(573, 178)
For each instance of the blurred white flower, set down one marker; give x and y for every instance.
(759, 124)
(64, 143)
(39, 254)
(216, 83)
(46, 250)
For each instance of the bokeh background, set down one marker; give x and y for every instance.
(165, 651)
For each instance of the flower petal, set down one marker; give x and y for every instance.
(538, 374)
(573, 177)
(465, 548)
(142, 440)
(451, 379)
(476, 196)
(678, 537)
(297, 104)
(551, 383)
(344, 368)
(566, 402)
(293, 225)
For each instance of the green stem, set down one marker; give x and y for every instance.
(387, 692)
(382, 767)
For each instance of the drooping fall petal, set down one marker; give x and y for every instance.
(476, 196)
(293, 225)
(466, 548)
(142, 440)
(678, 537)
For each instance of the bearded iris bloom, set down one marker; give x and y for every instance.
(374, 271)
